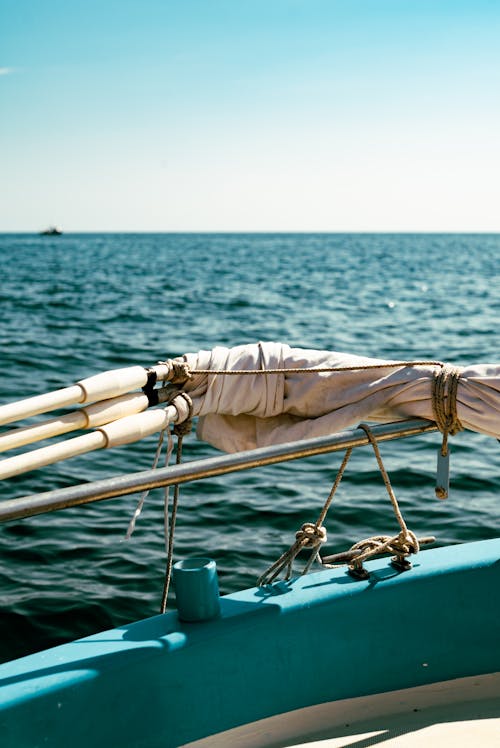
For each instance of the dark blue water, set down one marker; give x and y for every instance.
(75, 305)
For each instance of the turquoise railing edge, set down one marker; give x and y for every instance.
(321, 614)
(165, 631)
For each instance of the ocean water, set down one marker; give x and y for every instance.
(75, 305)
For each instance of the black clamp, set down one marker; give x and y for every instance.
(149, 388)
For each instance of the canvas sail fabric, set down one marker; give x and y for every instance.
(241, 412)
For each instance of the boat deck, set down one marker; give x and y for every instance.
(463, 712)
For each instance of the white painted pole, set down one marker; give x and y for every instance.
(38, 458)
(123, 431)
(32, 406)
(102, 386)
(88, 417)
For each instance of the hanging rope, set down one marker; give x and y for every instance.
(145, 494)
(314, 535)
(184, 406)
(403, 544)
(311, 535)
(180, 430)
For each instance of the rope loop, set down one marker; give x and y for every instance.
(404, 544)
(311, 536)
(184, 405)
(179, 371)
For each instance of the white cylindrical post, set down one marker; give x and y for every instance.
(89, 417)
(123, 431)
(32, 406)
(44, 430)
(136, 427)
(54, 453)
(113, 383)
(102, 386)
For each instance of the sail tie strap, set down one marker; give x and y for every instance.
(179, 370)
(444, 407)
(444, 402)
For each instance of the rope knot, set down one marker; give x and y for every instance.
(179, 371)
(311, 535)
(184, 406)
(406, 543)
(444, 400)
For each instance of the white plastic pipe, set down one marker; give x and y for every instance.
(123, 431)
(102, 386)
(32, 406)
(88, 417)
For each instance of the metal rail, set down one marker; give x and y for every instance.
(123, 485)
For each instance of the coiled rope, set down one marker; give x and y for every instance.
(444, 402)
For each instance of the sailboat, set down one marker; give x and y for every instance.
(380, 643)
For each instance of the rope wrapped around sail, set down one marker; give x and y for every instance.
(444, 402)
(278, 394)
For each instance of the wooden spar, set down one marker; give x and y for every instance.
(123, 431)
(88, 417)
(102, 386)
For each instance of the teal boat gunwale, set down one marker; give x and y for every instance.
(318, 638)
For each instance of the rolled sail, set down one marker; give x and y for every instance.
(244, 411)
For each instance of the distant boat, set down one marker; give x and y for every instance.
(51, 231)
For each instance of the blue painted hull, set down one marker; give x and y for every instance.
(323, 637)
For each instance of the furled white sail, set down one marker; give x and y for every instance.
(247, 411)
(257, 395)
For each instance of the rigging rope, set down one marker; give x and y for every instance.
(183, 372)
(313, 535)
(180, 430)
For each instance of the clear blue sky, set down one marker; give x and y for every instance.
(250, 115)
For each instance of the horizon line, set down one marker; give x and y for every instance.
(325, 232)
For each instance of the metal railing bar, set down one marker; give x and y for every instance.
(109, 488)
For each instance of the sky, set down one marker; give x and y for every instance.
(250, 115)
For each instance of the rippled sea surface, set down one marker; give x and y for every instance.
(74, 305)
